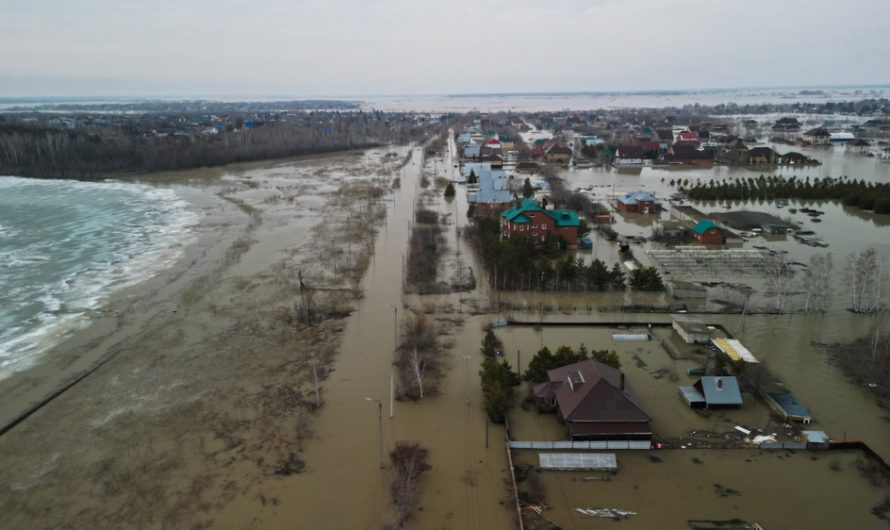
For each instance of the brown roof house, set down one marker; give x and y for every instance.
(594, 401)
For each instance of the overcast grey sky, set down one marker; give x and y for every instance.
(354, 47)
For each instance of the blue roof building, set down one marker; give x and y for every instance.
(713, 392)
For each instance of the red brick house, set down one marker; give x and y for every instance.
(707, 233)
(529, 219)
(639, 202)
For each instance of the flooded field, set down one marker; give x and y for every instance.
(780, 490)
(212, 421)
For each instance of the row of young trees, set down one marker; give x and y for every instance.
(545, 360)
(520, 263)
(425, 248)
(865, 195)
(498, 380)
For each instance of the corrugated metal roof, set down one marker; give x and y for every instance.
(692, 395)
(703, 226)
(721, 390)
(734, 349)
(578, 461)
(789, 404)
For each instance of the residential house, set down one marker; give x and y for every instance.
(762, 155)
(688, 153)
(818, 136)
(859, 146)
(472, 151)
(713, 392)
(687, 137)
(794, 158)
(786, 125)
(527, 166)
(494, 193)
(529, 219)
(557, 153)
(628, 155)
(639, 202)
(691, 329)
(707, 233)
(595, 402)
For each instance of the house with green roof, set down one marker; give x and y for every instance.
(707, 233)
(527, 218)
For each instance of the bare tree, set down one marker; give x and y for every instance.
(867, 276)
(817, 283)
(779, 276)
(418, 361)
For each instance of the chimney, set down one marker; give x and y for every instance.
(719, 384)
(621, 382)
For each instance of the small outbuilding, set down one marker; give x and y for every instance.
(713, 392)
(707, 233)
(682, 290)
(691, 329)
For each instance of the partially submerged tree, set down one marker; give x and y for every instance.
(491, 344)
(817, 284)
(419, 360)
(867, 276)
(409, 463)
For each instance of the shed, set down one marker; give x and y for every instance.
(816, 439)
(734, 349)
(691, 329)
(713, 392)
(787, 406)
(681, 289)
(706, 232)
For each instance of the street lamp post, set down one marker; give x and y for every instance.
(379, 426)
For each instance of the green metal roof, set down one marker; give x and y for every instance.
(560, 217)
(703, 226)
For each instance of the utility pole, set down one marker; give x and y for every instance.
(392, 391)
(315, 375)
(379, 426)
(467, 378)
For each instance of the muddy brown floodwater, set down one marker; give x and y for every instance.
(205, 415)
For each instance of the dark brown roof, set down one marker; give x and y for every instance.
(689, 152)
(593, 395)
(630, 151)
(580, 429)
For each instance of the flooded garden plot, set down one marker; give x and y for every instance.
(780, 490)
(652, 372)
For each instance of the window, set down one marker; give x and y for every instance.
(521, 228)
(542, 238)
(544, 226)
(534, 227)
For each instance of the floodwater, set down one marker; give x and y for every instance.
(343, 486)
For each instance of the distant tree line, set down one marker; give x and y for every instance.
(83, 154)
(863, 107)
(865, 195)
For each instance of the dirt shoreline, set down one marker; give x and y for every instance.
(210, 388)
